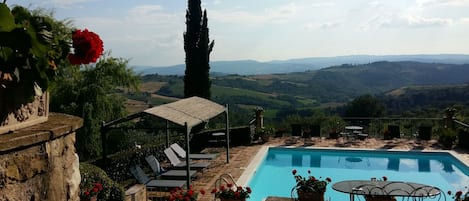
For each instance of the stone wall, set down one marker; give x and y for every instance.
(40, 162)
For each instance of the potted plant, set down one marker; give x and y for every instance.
(460, 196)
(33, 49)
(264, 133)
(232, 193)
(309, 188)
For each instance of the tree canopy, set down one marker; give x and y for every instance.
(91, 93)
(365, 106)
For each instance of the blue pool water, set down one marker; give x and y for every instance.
(273, 176)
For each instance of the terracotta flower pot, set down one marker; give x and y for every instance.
(310, 196)
(15, 115)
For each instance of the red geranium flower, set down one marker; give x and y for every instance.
(214, 190)
(88, 47)
(248, 189)
(310, 183)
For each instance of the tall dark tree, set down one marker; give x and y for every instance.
(365, 106)
(197, 47)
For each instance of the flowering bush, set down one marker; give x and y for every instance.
(460, 196)
(310, 183)
(178, 194)
(95, 182)
(231, 192)
(88, 192)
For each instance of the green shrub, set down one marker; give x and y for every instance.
(447, 137)
(94, 181)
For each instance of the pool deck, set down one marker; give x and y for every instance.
(241, 157)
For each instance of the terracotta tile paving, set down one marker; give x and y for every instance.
(241, 156)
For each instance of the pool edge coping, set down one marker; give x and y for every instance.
(251, 169)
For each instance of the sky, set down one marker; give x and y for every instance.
(150, 32)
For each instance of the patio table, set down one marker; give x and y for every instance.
(386, 189)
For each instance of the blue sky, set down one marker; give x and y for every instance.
(149, 32)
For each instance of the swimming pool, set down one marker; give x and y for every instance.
(273, 175)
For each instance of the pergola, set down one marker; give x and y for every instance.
(187, 113)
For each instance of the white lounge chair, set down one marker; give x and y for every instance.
(182, 153)
(176, 163)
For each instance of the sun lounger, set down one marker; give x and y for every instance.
(170, 174)
(182, 153)
(176, 163)
(155, 184)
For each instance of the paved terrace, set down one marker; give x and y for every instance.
(241, 156)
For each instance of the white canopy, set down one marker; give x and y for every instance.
(188, 112)
(193, 111)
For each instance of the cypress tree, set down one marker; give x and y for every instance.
(197, 47)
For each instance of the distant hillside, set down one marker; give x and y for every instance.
(419, 97)
(251, 67)
(396, 83)
(343, 83)
(336, 84)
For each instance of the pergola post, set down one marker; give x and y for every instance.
(227, 131)
(167, 133)
(188, 168)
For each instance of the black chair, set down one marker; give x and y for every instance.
(155, 184)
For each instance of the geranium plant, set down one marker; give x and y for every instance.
(34, 46)
(179, 194)
(460, 196)
(310, 183)
(96, 184)
(232, 192)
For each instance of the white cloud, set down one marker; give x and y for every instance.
(429, 3)
(153, 15)
(145, 9)
(464, 20)
(68, 2)
(323, 4)
(324, 25)
(419, 21)
(404, 21)
(279, 14)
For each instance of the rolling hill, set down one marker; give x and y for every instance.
(334, 84)
(251, 67)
